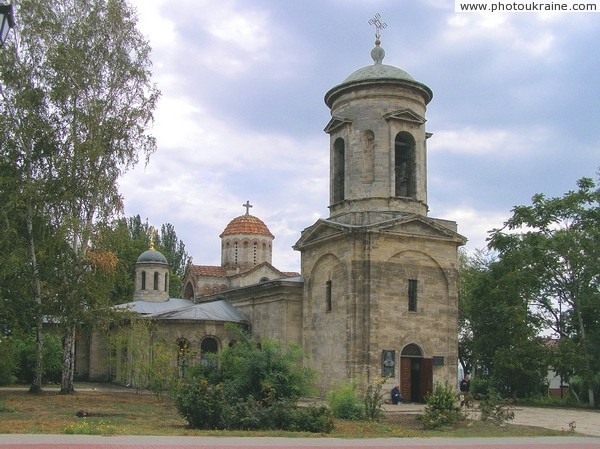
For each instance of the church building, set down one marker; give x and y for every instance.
(377, 291)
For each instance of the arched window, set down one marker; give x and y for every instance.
(188, 293)
(156, 280)
(167, 282)
(143, 280)
(208, 346)
(405, 166)
(339, 170)
(328, 296)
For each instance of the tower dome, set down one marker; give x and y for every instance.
(246, 224)
(152, 256)
(151, 276)
(246, 242)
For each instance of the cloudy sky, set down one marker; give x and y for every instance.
(515, 110)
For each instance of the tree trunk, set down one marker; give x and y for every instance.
(36, 385)
(68, 359)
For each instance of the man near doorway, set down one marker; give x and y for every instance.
(464, 386)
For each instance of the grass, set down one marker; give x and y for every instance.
(124, 412)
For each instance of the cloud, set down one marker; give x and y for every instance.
(498, 143)
(475, 224)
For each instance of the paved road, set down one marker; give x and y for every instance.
(148, 442)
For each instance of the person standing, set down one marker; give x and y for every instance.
(464, 386)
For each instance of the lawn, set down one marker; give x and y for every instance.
(125, 412)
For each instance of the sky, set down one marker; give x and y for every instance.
(515, 110)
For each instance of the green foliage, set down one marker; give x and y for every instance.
(373, 399)
(496, 409)
(580, 388)
(442, 409)
(25, 355)
(499, 333)
(250, 387)
(142, 358)
(553, 246)
(480, 387)
(316, 419)
(77, 99)
(9, 364)
(267, 372)
(201, 404)
(345, 402)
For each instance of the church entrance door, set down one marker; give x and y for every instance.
(416, 374)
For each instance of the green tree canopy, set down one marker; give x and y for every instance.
(77, 101)
(554, 247)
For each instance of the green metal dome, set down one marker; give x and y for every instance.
(152, 256)
(378, 71)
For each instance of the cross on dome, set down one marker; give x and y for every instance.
(379, 25)
(247, 206)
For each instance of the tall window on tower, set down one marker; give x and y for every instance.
(328, 296)
(405, 165)
(339, 170)
(412, 295)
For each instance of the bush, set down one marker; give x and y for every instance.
(345, 403)
(495, 409)
(250, 387)
(8, 365)
(204, 407)
(25, 358)
(316, 419)
(373, 400)
(442, 409)
(201, 404)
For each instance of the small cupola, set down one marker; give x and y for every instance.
(151, 276)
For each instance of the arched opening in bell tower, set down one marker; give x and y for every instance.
(339, 170)
(405, 166)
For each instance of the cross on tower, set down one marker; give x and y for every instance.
(247, 206)
(379, 25)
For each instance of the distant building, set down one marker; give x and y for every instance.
(377, 292)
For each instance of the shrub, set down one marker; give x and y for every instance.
(201, 404)
(25, 358)
(495, 409)
(8, 365)
(373, 400)
(316, 419)
(442, 409)
(345, 403)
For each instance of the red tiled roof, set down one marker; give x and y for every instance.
(290, 274)
(246, 224)
(207, 270)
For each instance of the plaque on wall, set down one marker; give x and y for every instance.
(388, 363)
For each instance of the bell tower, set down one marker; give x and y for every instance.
(378, 149)
(380, 295)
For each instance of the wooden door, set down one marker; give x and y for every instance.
(426, 378)
(405, 364)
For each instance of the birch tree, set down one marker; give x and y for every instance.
(77, 101)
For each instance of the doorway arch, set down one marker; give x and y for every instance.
(416, 373)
